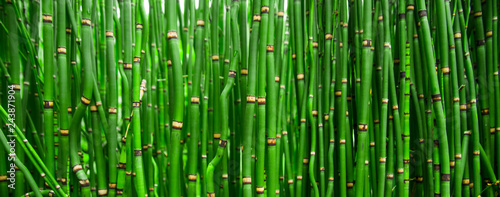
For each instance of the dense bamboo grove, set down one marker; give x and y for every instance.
(249, 98)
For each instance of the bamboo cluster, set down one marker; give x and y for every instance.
(249, 98)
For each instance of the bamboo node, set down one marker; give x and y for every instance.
(244, 71)
(192, 177)
(284, 132)
(476, 152)
(436, 97)
(372, 144)
(410, 7)
(216, 135)
(467, 132)
(303, 120)
(422, 13)
(127, 66)
(102, 192)
(485, 111)
(232, 74)
(298, 178)
(445, 177)
(260, 190)
(363, 127)
(76, 168)
(256, 18)
(247, 180)
(305, 161)
(445, 70)
(367, 43)
(86, 22)
(278, 136)
(48, 104)
(315, 44)
(350, 184)
(281, 14)
(271, 141)
(261, 100)
(492, 130)
(200, 23)
(47, 18)
(478, 14)
(250, 99)
(136, 104)
(342, 141)
(195, 100)
(172, 34)
(177, 125)
(390, 176)
(331, 179)
(61, 50)
(300, 76)
(328, 36)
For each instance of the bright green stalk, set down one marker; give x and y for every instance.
(385, 100)
(21, 167)
(299, 40)
(364, 99)
(48, 57)
(112, 98)
(496, 63)
(214, 38)
(271, 105)
(64, 85)
(261, 93)
(85, 100)
(98, 152)
(476, 166)
(327, 77)
(175, 138)
(195, 104)
(341, 100)
(225, 130)
(436, 96)
(137, 88)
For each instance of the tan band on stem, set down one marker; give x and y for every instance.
(260, 190)
(192, 177)
(247, 180)
(172, 35)
(102, 192)
(195, 99)
(47, 18)
(86, 22)
(177, 125)
(200, 22)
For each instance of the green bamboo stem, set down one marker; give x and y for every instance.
(364, 99)
(195, 109)
(271, 105)
(225, 130)
(112, 98)
(48, 32)
(85, 101)
(175, 138)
